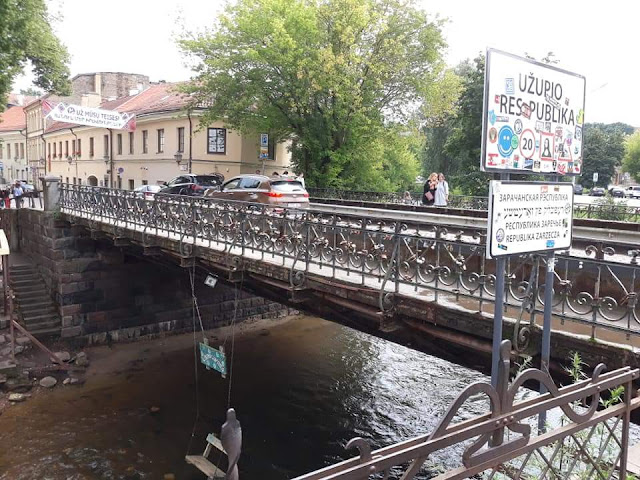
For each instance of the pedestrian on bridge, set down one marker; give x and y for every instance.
(18, 192)
(429, 189)
(442, 192)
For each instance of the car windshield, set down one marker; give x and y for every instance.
(208, 180)
(287, 186)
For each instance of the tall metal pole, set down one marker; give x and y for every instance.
(497, 320)
(498, 307)
(546, 328)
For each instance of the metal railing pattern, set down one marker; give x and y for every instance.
(597, 211)
(586, 443)
(594, 285)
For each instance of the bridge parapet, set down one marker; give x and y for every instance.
(595, 285)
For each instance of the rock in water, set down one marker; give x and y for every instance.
(82, 360)
(17, 397)
(48, 382)
(63, 356)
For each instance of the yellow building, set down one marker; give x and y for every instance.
(13, 156)
(168, 141)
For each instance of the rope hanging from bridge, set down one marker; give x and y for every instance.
(231, 434)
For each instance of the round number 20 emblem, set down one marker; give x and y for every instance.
(527, 144)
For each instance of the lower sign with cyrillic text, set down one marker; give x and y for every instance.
(528, 217)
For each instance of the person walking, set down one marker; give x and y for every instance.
(429, 189)
(442, 192)
(18, 192)
(7, 197)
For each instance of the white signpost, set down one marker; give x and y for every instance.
(532, 123)
(529, 217)
(533, 117)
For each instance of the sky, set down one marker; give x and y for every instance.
(590, 38)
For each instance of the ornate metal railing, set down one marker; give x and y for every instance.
(580, 442)
(595, 285)
(599, 211)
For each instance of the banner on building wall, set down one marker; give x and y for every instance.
(93, 117)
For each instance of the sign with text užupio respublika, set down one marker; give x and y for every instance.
(528, 217)
(533, 117)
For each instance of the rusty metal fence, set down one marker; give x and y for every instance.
(595, 285)
(582, 442)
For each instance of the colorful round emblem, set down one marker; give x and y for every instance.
(505, 137)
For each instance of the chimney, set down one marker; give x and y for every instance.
(97, 84)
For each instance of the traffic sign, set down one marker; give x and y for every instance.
(595, 177)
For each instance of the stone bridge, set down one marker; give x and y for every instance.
(423, 283)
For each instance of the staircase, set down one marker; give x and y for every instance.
(34, 306)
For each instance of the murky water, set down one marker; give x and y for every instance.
(301, 392)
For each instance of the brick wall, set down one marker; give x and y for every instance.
(99, 288)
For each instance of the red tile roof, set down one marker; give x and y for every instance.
(13, 119)
(157, 98)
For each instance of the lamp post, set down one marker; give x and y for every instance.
(178, 157)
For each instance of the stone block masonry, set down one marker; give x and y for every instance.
(101, 288)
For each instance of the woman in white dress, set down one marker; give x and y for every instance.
(442, 192)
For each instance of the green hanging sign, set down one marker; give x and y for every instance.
(212, 358)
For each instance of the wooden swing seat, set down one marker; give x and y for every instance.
(202, 463)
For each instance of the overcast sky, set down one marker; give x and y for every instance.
(597, 40)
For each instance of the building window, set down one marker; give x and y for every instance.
(271, 149)
(130, 143)
(145, 141)
(49, 149)
(74, 180)
(22, 150)
(66, 149)
(15, 149)
(79, 150)
(106, 145)
(67, 180)
(54, 149)
(181, 139)
(145, 182)
(73, 147)
(216, 140)
(1, 152)
(8, 151)
(119, 144)
(90, 147)
(160, 140)
(131, 184)
(60, 149)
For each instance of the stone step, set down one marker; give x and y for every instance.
(28, 288)
(38, 318)
(36, 312)
(16, 284)
(32, 296)
(43, 325)
(24, 276)
(19, 268)
(29, 306)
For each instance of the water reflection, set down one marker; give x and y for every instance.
(301, 392)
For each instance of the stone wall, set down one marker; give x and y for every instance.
(102, 288)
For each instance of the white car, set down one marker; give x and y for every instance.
(147, 191)
(632, 192)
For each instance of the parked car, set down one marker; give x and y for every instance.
(192, 184)
(147, 191)
(597, 192)
(633, 191)
(280, 191)
(577, 189)
(616, 191)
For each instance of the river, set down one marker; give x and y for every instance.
(301, 390)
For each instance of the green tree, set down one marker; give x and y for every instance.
(632, 156)
(600, 154)
(26, 36)
(33, 92)
(327, 74)
(463, 145)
